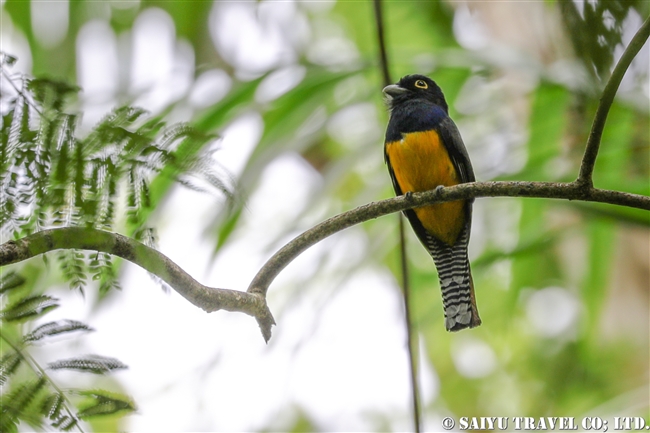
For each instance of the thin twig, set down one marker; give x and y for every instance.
(412, 339)
(29, 359)
(606, 100)
(383, 57)
(406, 288)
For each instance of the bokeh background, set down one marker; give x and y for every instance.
(294, 91)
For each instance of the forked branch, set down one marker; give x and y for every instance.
(253, 302)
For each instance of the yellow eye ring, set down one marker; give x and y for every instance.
(421, 84)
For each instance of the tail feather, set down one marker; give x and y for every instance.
(455, 282)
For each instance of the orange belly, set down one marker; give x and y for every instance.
(420, 162)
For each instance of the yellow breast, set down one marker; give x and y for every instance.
(421, 162)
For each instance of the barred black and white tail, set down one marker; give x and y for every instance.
(455, 281)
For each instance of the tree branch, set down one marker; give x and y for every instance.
(567, 191)
(253, 302)
(606, 100)
(207, 298)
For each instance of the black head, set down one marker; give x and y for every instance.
(413, 87)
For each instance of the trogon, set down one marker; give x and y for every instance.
(424, 150)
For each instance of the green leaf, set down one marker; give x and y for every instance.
(95, 364)
(56, 328)
(209, 121)
(537, 268)
(74, 268)
(8, 365)
(105, 403)
(617, 213)
(11, 280)
(596, 29)
(215, 117)
(282, 120)
(616, 159)
(65, 423)
(8, 423)
(105, 271)
(51, 93)
(16, 403)
(289, 112)
(548, 122)
(226, 228)
(52, 406)
(7, 59)
(29, 308)
(601, 235)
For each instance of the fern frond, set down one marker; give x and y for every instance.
(211, 176)
(65, 423)
(90, 364)
(178, 132)
(29, 308)
(137, 193)
(128, 115)
(74, 268)
(109, 285)
(16, 403)
(111, 129)
(105, 403)
(53, 405)
(55, 328)
(7, 59)
(152, 126)
(53, 408)
(79, 166)
(51, 94)
(145, 193)
(8, 423)
(148, 236)
(65, 136)
(102, 190)
(189, 184)
(8, 365)
(10, 168)
(11, 280)
(15, 130)
(8, 221)
(103, 270)
(190, 160)
(61, 174)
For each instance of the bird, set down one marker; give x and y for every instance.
(423, 151)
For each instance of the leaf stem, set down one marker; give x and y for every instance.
(37, 369)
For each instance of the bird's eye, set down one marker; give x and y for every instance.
(421, 84)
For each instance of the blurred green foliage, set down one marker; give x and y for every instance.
(576, 247)
(33, 396)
